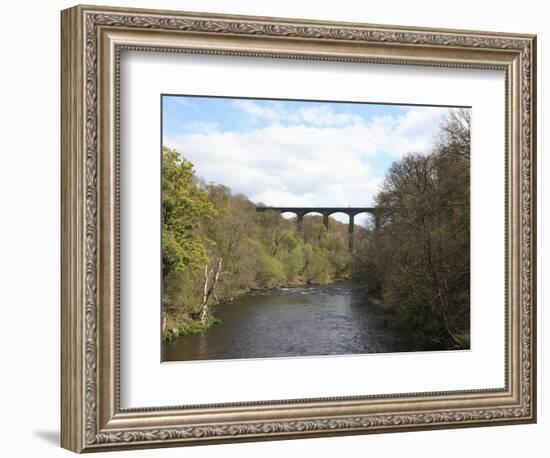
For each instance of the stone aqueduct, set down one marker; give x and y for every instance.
(300, 212)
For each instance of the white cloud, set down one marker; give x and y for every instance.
(321, 164)
(201, 127)
(261, 112)
(316, 115)
(323, 115)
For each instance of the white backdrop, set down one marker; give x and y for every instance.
(146, 75)
(29, 246)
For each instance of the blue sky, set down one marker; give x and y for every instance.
(296, 153)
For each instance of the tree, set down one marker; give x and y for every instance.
(216, 246)
(185, 207)
(419, 259)
(185, 210)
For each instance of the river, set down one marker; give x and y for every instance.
(335, 319)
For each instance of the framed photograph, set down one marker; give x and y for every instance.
(279, 228)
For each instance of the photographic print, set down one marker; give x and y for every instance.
(297, 228)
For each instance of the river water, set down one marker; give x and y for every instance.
(337, 319)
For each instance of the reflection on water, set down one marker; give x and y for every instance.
(306, 321)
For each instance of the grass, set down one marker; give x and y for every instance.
(193, 327)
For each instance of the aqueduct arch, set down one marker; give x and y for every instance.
(300, 212)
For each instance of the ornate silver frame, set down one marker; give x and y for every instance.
(92, 39)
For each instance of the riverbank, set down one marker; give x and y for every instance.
(192, 327)
(195, 326)
(419, 341)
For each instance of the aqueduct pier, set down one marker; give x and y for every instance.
(300, 212)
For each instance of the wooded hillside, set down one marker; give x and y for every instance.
(417, 263)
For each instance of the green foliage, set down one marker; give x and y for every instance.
(193, 327)
(294, 262)
(270, 271)
(185, 209)
(418, 263)
(203, 223)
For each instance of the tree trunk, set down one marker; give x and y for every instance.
(207, 292)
